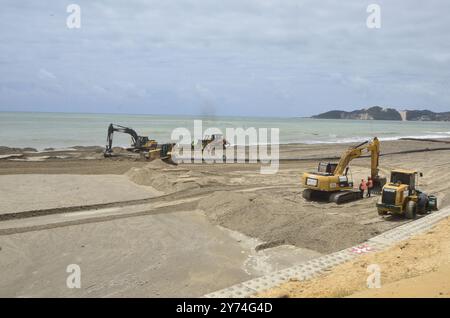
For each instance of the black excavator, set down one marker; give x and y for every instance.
(139, 144)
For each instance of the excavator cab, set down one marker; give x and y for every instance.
(326, 168)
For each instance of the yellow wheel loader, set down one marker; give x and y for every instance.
(331, 181)
(402, 197)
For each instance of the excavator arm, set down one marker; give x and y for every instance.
(347, 156)
(354, 152)
(136, 140)
(374, 148)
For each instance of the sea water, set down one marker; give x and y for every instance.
(62, 130)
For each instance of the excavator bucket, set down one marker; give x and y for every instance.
(378, 184)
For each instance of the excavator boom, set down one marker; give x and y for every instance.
(355, 152)
(346, 157)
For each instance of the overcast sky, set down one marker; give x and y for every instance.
(223, 57)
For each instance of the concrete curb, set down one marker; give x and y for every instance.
(319, 265)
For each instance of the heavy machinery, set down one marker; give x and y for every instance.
(139, 144)
(210, 142)
(217, 139)
(331, 181)
(402, 197)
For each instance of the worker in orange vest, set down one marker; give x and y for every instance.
(362, 187)
(369, 186)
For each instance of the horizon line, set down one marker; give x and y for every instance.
(148, 114)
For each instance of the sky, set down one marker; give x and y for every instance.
(229, 58)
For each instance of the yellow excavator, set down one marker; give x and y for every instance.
(331, 182)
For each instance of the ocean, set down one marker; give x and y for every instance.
(65, 130)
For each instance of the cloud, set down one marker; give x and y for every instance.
(43, 74)
(264, 57)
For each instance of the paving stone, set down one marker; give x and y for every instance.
(317, 266)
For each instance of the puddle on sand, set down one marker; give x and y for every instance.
(265, 257)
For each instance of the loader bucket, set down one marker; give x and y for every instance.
(163, 152)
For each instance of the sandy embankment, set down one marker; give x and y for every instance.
(418, 267)
(268, 208)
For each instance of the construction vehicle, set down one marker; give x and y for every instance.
(331, 181)
(217, 139)
(149, 148)
(401, 196)
(210, 142)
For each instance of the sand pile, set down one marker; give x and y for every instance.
(161, 176)
(273, 216)
(170, 178)
(8, 150)
(271, 207)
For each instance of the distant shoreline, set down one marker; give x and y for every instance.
(12, 149)
(199, 116)
(384, 113)
(209, 117)
(212, 117)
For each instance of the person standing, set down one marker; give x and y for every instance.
(369, 186)
(362, 187)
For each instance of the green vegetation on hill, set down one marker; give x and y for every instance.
(380, 113)
(427, 115)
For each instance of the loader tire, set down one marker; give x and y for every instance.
(422, 210)
(411, 210)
